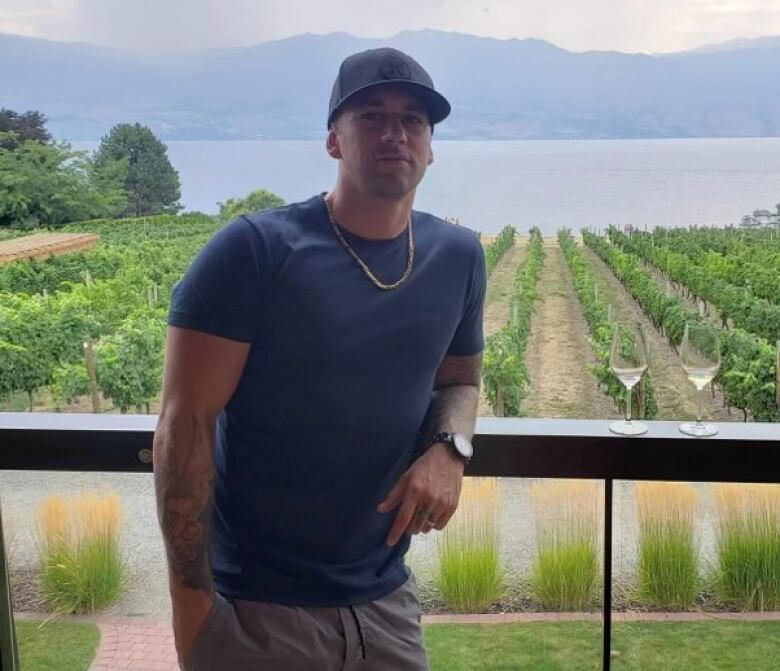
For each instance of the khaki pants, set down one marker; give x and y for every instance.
(381, 635)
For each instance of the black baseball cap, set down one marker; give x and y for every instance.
(382, 67)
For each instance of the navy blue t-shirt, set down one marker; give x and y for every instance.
(339, 376)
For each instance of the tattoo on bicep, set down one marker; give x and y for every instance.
(185, 497)
(460, 370)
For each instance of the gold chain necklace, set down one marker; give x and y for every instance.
(374, 279)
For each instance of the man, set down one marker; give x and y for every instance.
(320, 390)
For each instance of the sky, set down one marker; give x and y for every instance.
(650, 26)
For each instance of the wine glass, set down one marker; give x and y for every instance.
(700, 357)
(628, 361)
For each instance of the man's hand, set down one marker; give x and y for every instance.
(189, 616)
(427, 493)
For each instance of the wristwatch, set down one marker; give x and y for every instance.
(458, 443)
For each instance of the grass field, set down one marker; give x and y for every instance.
(564, 646)
(576, 646)
(56, 646)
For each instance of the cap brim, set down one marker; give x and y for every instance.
(435, 103)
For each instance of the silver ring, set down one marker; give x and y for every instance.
(423, 514)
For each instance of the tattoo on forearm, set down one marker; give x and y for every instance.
(184, 482)
(455, 397)
(453, 409)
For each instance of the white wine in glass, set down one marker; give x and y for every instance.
(700, 357)
(628, 358)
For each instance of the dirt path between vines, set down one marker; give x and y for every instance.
(676, 396)
(497, 300)
(558, 353)
(499, 290)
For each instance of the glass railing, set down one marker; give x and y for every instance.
(537, 464)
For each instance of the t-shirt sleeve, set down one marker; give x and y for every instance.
(469, 338)
(224, 289)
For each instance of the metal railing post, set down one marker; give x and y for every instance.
(9, 657)
(606, 662)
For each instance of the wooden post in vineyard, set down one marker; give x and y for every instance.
(777, 374)
(89, 360)
(88, 279)
(639, 399)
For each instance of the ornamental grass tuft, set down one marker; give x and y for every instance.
(748, 545)
(667, 572)
(80, 566)
(565, 572)
(469, 577)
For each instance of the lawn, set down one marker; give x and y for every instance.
(57, 646)
(576, 646)
(568, 646)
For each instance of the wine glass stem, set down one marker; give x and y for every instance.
(628, 403)
(700, 412)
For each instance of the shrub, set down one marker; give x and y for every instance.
(81, 569)
(667, 567)
(469, 576)
(748, 545)
(259, 199)
(497, 247)
(8, 529)
(505, 375)
(565, 573)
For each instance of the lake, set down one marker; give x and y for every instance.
(555, 183)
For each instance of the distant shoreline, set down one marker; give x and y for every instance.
(466, 139)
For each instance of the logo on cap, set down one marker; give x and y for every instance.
(394, 68)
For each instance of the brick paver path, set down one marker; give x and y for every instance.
(146, 646)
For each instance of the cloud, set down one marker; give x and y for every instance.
(626, 25)
(24, 17)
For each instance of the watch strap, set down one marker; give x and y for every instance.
(448, 438)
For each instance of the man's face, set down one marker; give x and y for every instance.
(383, 139)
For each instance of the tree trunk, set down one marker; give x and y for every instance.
(30, 397)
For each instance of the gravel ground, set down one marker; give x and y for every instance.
(147, 594)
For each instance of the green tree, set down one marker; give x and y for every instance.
(51, 185)
(25, 344)
(259, 199)
(151, 182)
(11, 358)
(30, 125)
(129, 362)
(69, 381)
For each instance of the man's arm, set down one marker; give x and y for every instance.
(432, 484)
(201, 373)
(455, 398)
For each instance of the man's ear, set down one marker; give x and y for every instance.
(332, 144)
(430, 155)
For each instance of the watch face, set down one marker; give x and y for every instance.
(463, 446)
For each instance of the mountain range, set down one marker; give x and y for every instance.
(499, 89)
